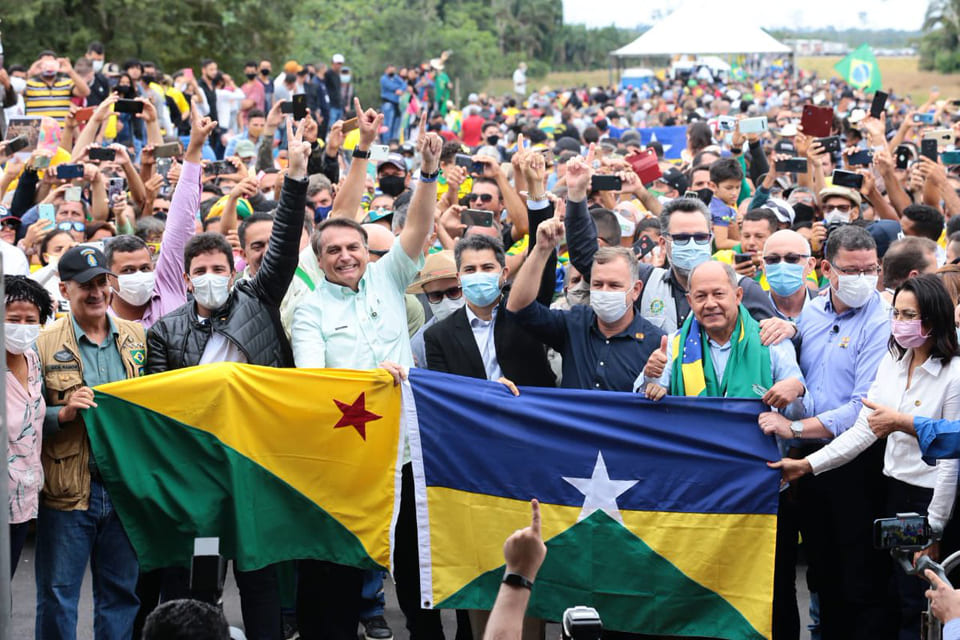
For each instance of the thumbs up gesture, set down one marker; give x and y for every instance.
(657, 361)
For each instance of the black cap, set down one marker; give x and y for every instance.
(675, 178)
(82, 264)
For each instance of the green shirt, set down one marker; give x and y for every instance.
(101, 364)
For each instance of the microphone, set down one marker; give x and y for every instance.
(836, 328)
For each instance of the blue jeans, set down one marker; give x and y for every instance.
(372, 599)
(66, 540)
(335, 114)
(391, 121)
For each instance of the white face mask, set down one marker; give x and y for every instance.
(835, 216)
(20, 337)
(18, 84)
(855, 291)
(211, 290)
(445, 308)
(97, 65)
(136, 288)
(610, 306)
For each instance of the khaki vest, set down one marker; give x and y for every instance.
(66, 455)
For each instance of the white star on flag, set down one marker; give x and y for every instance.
(666, 147)
(600, 492)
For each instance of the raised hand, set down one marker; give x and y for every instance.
(298, 151)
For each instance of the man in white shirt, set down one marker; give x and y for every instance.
(520, 80)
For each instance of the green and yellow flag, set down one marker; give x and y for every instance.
(278, 463)
(860, 69)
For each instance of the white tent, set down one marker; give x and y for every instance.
(700, 29)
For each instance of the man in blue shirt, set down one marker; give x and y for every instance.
(844, 335)
(604, 346)
(391, 88)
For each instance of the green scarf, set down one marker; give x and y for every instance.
(748, 365)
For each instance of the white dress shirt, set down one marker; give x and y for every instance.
(934, 393)
(483, 334)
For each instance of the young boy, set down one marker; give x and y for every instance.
(726, 178)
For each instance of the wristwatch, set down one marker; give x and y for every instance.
(357, 153)
(797, 428)
(517, 580)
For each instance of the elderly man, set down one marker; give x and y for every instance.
(603, 345)
(787, 264)
(356, 318)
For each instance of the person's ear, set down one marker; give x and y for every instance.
(63, 290)
(739, 295)
(186, 281)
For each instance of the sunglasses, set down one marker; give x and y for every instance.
(453, 293)
(71, 226)
(483, 197)
(842, 208)
(682, 239)
(790, 258)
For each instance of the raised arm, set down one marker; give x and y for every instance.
(348, 198)
(89, 134)
(420, 216)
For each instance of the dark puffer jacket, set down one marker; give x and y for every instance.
(250, 319)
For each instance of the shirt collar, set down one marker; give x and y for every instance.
(932, 365)
(79, 333)
(476, 320)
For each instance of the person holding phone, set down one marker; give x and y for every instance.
(920, 373)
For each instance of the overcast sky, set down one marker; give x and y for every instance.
(879, 14)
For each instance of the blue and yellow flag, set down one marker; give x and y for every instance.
(662, 516)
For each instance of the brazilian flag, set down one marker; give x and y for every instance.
(860, 69)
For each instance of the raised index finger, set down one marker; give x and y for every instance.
(535, 516)
(422, 129)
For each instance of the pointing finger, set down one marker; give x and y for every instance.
(535, 517)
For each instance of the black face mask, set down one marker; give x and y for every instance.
(265, 72)
(290, 78)
(126, 93)
(392, 185)
(250, 76)
(705, 195)
(147, 78)
(493, 140)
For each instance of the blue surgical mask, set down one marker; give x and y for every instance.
(320, 213)
(481, 288)
(685, 257)
(785, 279)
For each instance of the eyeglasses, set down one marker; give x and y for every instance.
(9, 225)
(453, 293)
(682, 239)
(483, 197)
(906, 314)
(842, 208)
(856, 271)
(69, 225)
(790, 258)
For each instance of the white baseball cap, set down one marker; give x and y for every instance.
(338, 58)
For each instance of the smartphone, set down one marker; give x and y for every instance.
(943, 136)
(47, 212)
(41, 162)
(691, 194)
(115, 187)
(792, 165)
(928, 148)
(830, 144)
(645, 245)
(849, 179)
(69, 171)
(164, 164)
(218, 168)
(726, 123)
(861, 158)
(602, 182)
(923, 118)
(73, 194)
(904, 154)
(349, 125)
(103, 154)
(299, 106)
(476, 218)
(167, 150)
(465, 161)
(816, 121)
(740, 258)
(753, 125)
(878, 105)
(84, 115)
(16, 144)
(286, 107)
(950, 157)
(128, 106)
(906, 531)
(379, 152)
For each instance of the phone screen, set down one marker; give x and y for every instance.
(128, 106)
(476, 218)
(605, 183)
(905, 532)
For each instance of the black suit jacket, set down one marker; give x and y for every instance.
(451, 348)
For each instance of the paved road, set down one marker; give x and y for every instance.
(24, 605)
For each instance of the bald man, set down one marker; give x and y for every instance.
(787, 263)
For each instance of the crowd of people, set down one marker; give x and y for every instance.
(157, 221)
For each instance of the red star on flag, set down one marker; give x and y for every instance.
(355, 415)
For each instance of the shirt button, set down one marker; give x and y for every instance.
(608, 342)
(597, 385)
(374, 314)
(601, 363)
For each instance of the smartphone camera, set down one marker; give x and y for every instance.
(581, 623)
